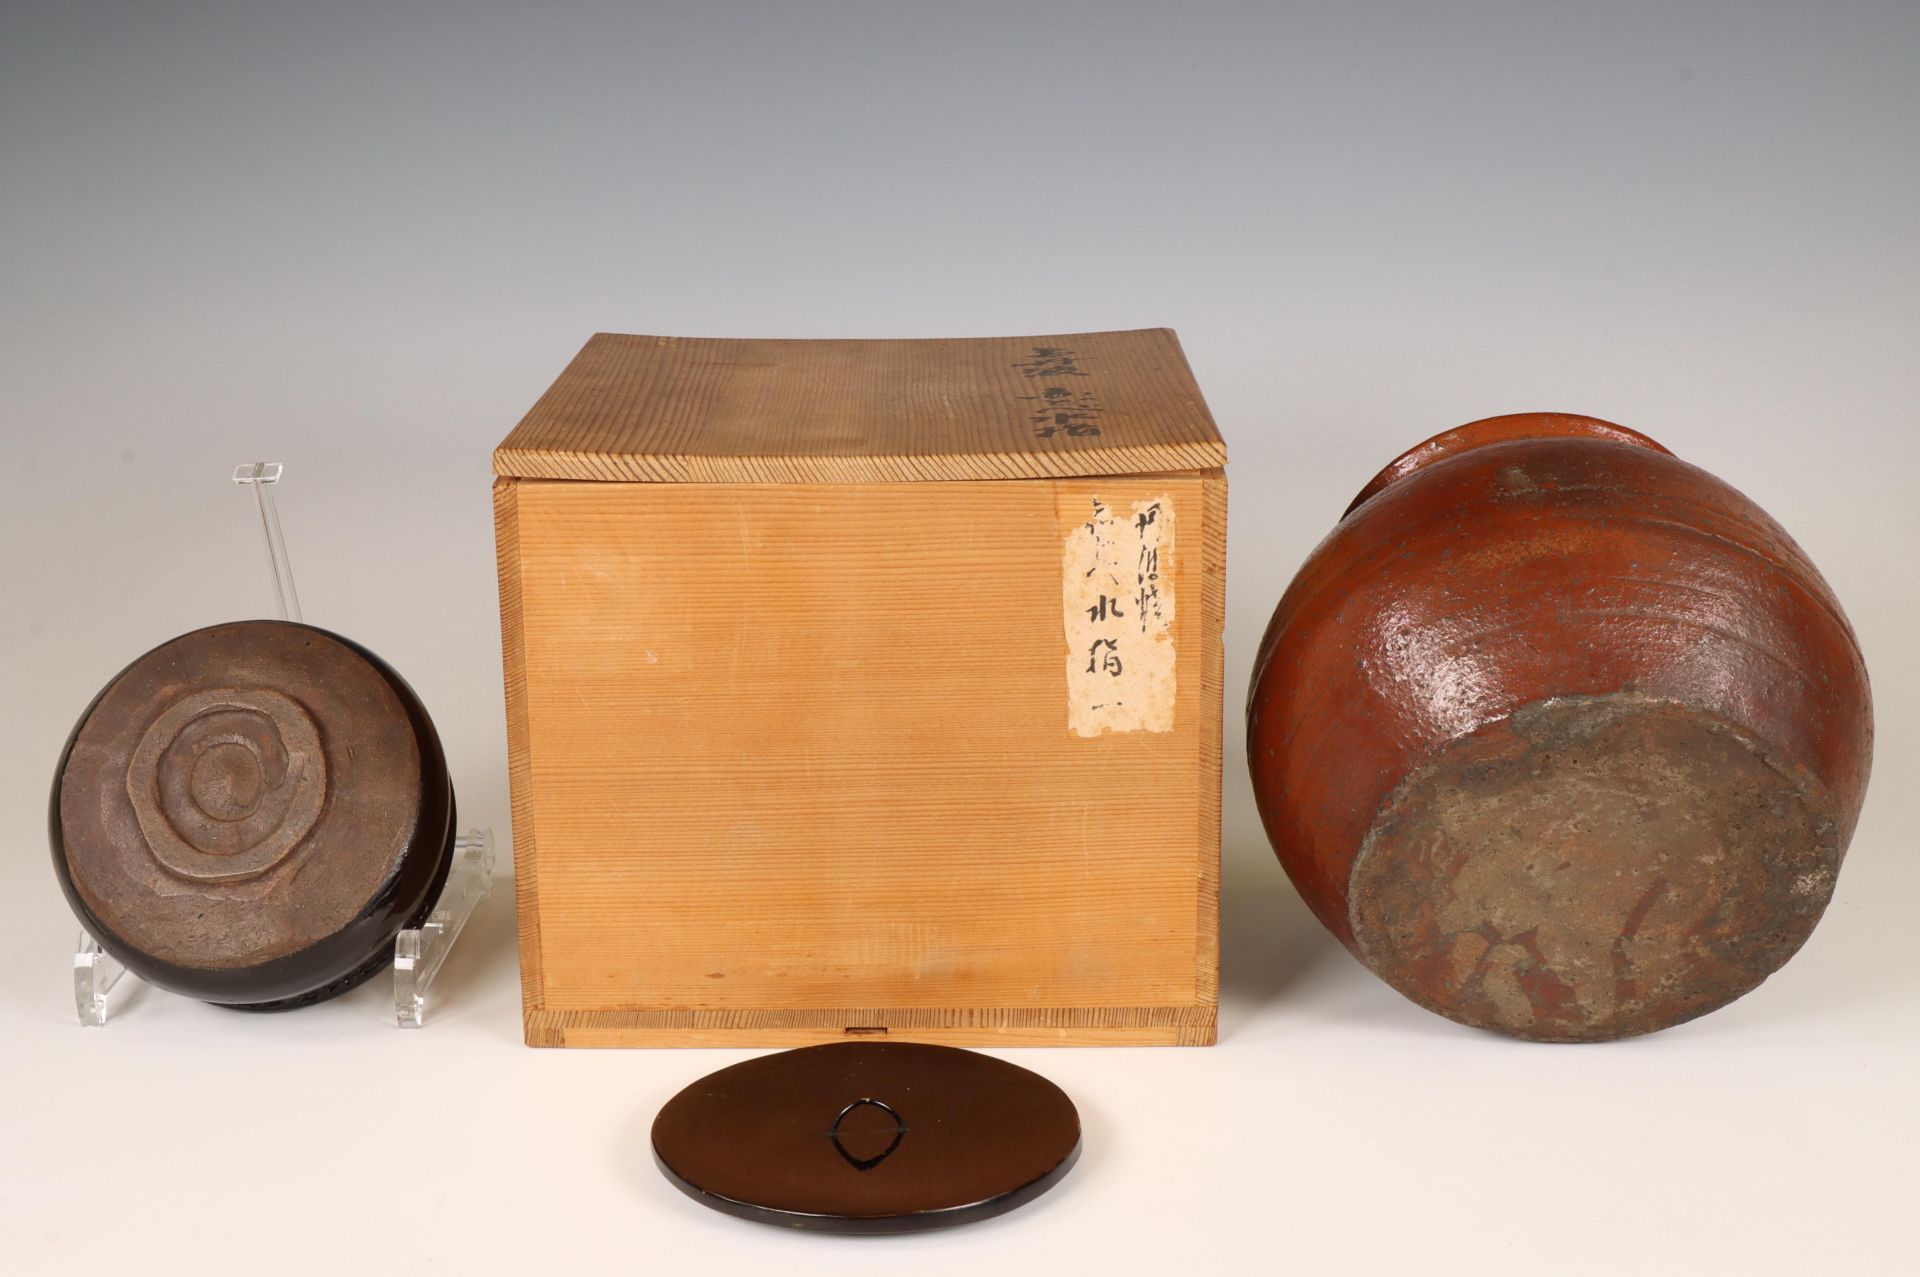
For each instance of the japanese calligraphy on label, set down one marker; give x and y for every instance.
(1118, 592)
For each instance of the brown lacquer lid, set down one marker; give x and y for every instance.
(868, 1137)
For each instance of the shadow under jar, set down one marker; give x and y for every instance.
(250, 813)
(1562, 736)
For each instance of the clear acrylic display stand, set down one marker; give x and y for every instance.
(418, 953)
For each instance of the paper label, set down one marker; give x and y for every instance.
(1118, 591)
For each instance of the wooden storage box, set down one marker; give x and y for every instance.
(866, 687)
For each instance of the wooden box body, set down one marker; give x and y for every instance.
(864, 687)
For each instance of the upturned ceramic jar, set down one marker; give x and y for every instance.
(1562, 736)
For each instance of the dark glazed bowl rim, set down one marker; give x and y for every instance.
(335, 963)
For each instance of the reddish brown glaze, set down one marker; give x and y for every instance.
(1475, 434)
(1561, 735)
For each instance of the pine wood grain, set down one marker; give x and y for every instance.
(787, 753)
(667, 409)
(1213, 678)
(801, 742)
(506, 532)
(981, 1026)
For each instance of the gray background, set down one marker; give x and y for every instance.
(360, 239)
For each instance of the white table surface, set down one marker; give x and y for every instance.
(361, 243)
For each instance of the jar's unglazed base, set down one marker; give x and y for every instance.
(1591, 868)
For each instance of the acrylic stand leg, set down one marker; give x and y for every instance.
(263, 477)
(94, 975)
(418, 953)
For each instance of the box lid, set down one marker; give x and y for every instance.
(678, 409)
